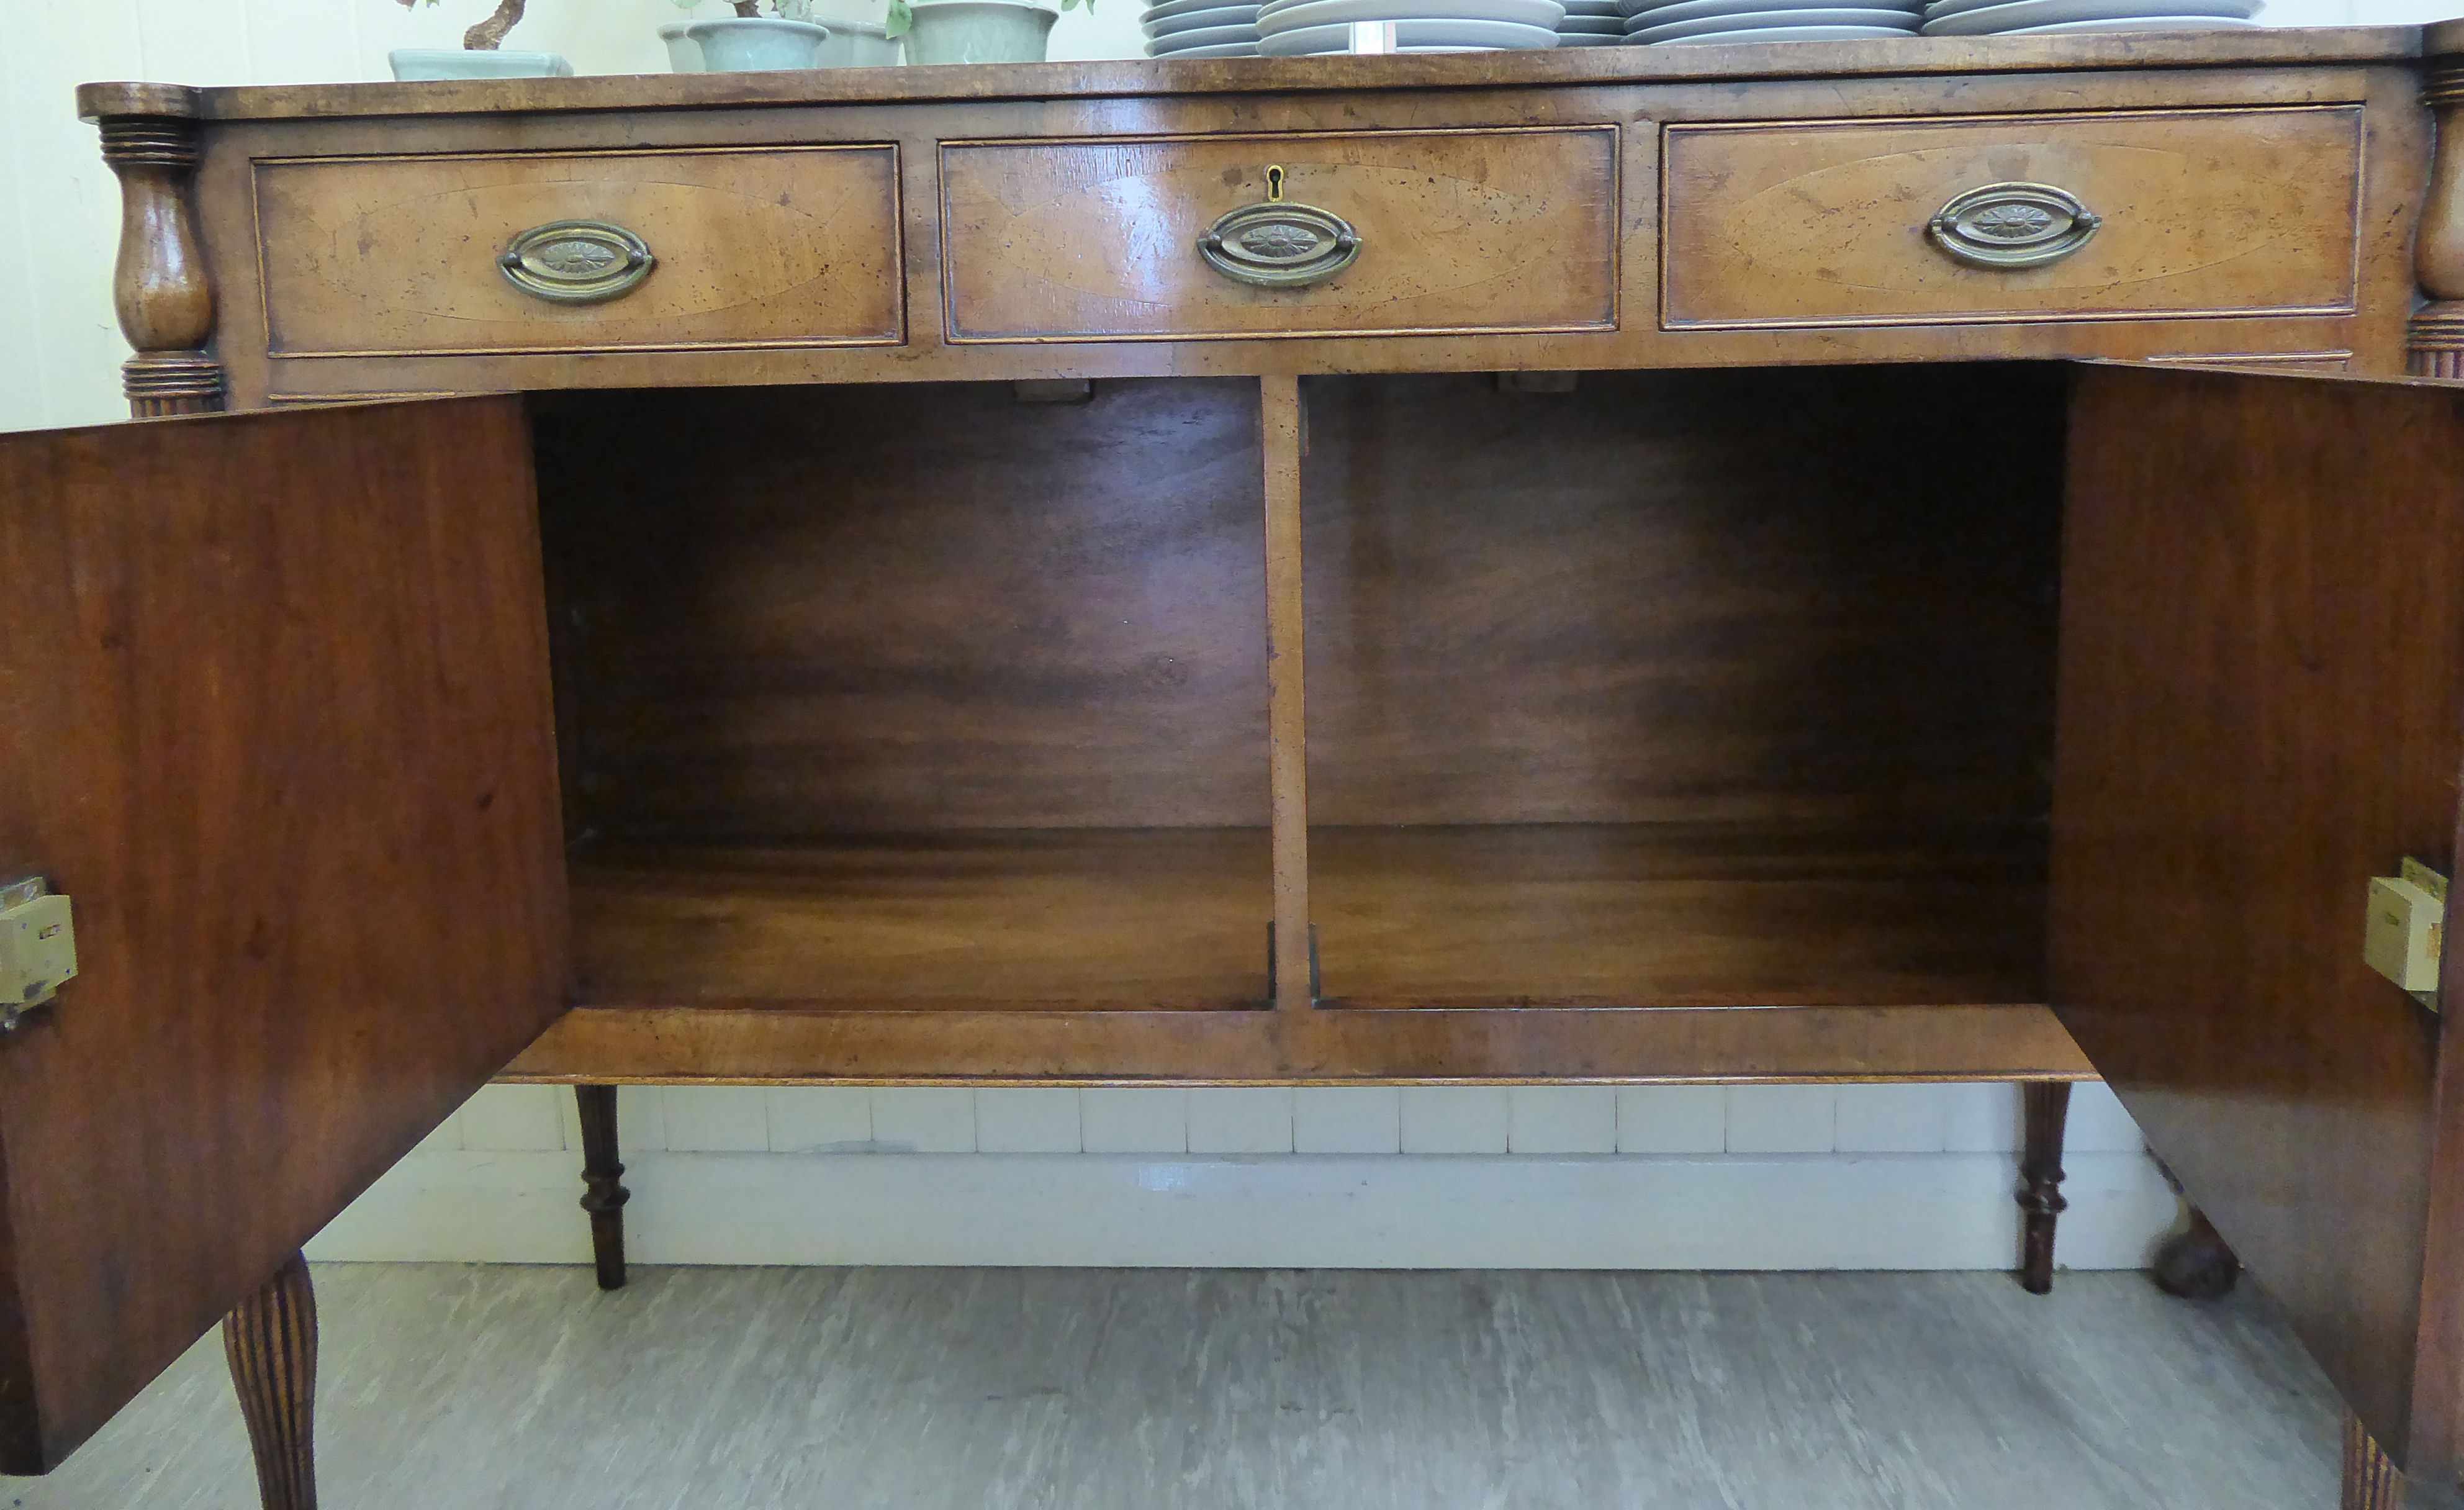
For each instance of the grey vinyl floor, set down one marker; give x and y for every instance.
(447, 1387)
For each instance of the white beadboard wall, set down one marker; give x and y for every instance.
(1902, 1176)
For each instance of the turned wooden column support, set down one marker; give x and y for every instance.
(2371, 1482)
(270, 1342)
(2437, 338)
(2048, 1105)
(152, 138)
(603, 1195)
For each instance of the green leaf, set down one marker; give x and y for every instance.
(899, 20)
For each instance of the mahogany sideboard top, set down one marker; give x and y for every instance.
(1588, 208)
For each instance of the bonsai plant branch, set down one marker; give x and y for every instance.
(488, 34)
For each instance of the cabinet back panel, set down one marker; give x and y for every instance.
(1817, 594)
(795, 612)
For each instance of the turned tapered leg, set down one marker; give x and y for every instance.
(270, 1342)
(2041, 1181)
(2370, 1481)
(602, 1196)
(2197, 1265)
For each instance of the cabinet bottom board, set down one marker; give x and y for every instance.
(734, 1045)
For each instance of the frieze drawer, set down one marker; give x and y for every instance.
(1385, 233)
(2161, 212)
(439, 255)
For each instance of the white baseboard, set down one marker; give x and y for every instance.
(1910, 1211)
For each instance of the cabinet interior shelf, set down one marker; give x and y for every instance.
(1472, 915)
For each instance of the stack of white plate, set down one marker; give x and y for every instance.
(1591, 23)
(1308, 28)
(1771, 20)
(2054, 17)
(1200, 29)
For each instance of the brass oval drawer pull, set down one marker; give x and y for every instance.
(577, 261)
(2012, 225)
(1279, 245)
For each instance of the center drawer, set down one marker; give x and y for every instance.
(1455, 232)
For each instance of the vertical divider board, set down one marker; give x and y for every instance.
(1279, 426)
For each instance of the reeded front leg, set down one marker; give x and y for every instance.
(270, 1342)
(604, 1196)
(2370, 1481)
(2040, 1179)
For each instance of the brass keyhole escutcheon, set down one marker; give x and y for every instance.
(1275, 243)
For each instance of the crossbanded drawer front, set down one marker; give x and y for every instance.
(608, 251)
(1455, 231)
(2106, 216)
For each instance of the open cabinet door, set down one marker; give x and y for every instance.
(275, 714)
(2261, 707)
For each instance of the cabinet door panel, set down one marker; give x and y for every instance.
(277, 718)
(2262, 652)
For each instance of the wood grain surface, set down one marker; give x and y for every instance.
(769, 1043)
(1671, 915)
(278, 723)
(1284, 438)
(1497, 230)
(783, 246)
(1757, 596)
(1378, 101)
(2262, 706)
(1494, 916)
(1080, 918)
(1821, 222)
(789, 613)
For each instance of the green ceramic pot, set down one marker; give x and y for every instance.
(757, 44)
(979, 32)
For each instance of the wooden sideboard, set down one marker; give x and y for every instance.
(831, 601)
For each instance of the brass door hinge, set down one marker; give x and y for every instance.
(38, 947)
(2406, 931)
